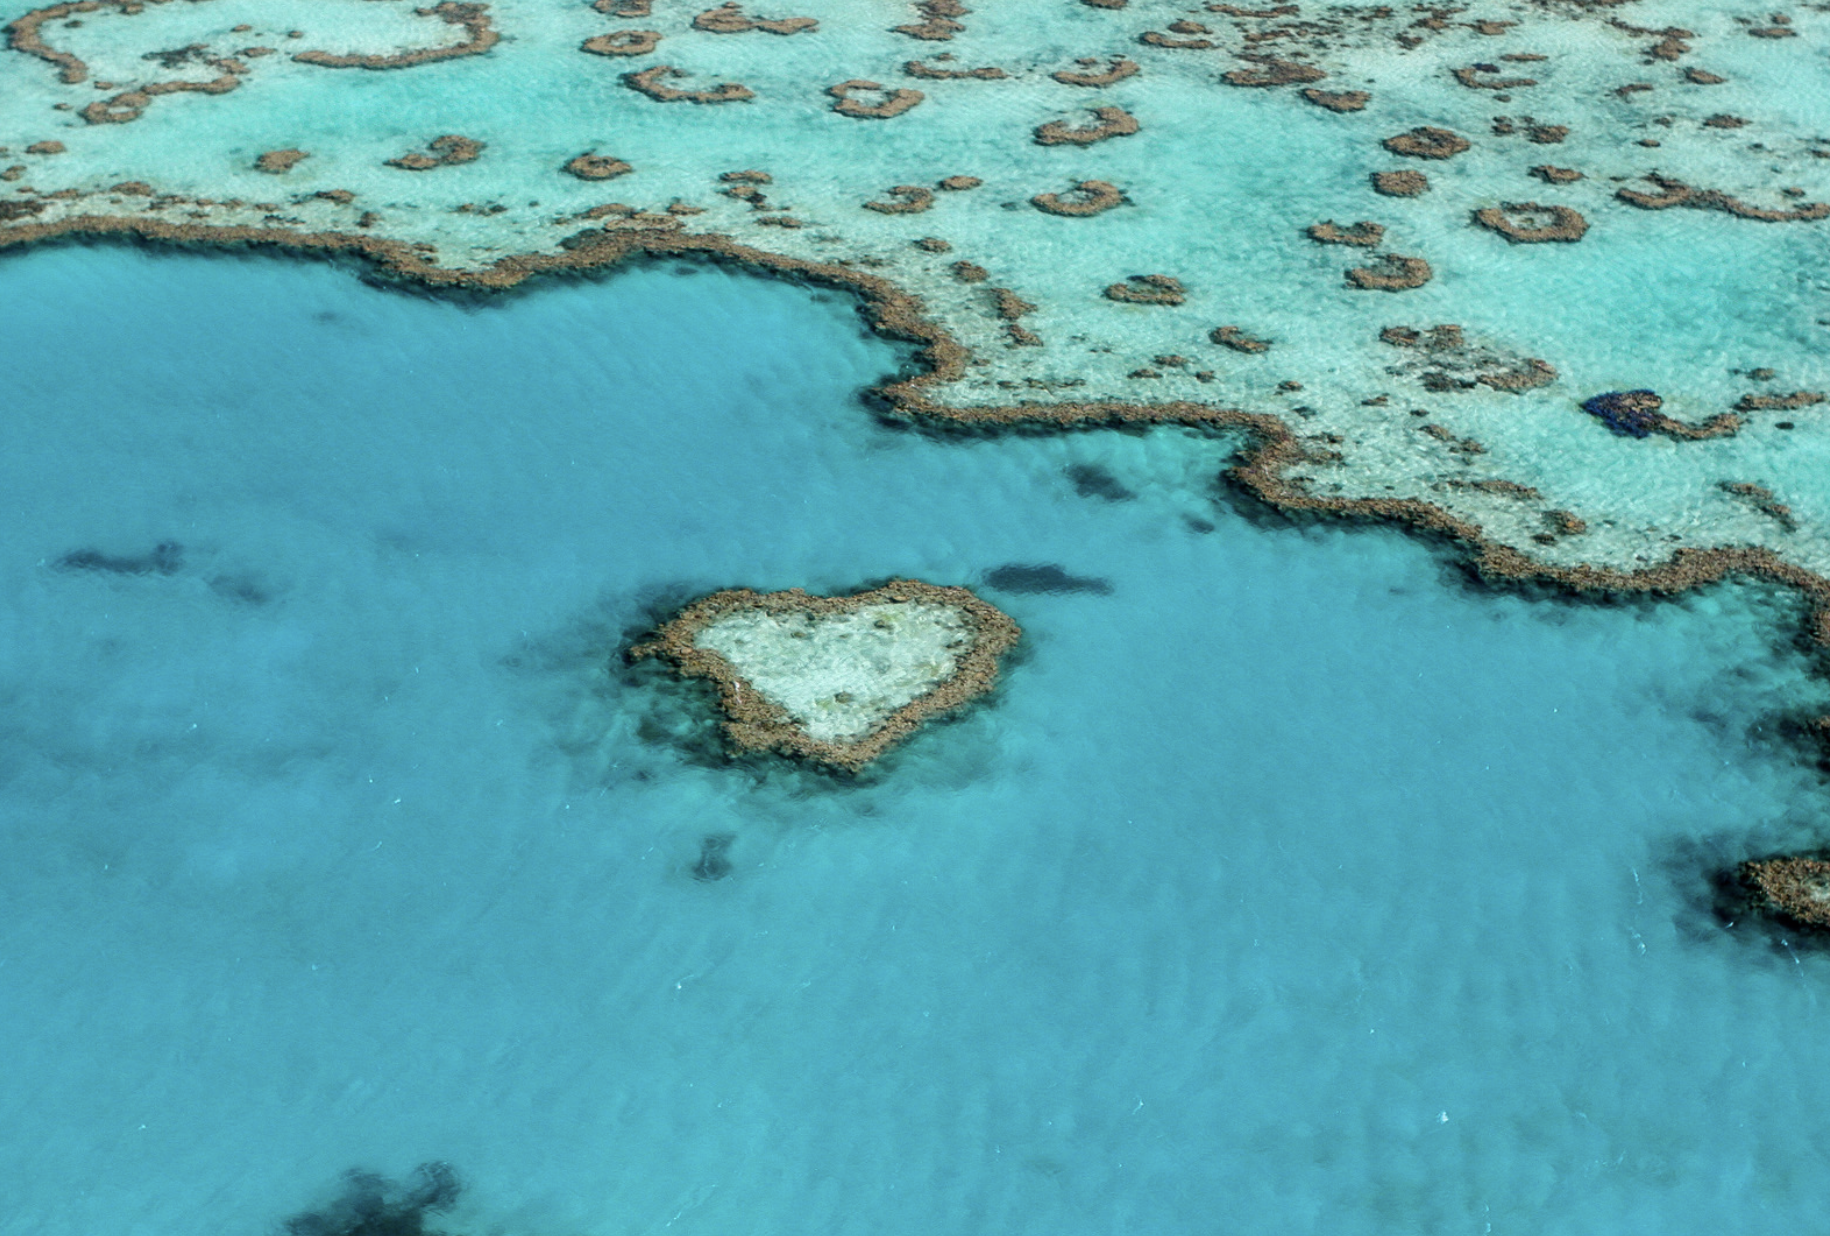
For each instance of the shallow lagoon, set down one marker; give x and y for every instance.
(1291, 884)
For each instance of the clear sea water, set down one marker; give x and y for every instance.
(1292, 885)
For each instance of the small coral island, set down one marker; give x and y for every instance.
(1795, 889)
(836, 680)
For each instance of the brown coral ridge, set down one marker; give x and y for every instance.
(649, 82)
(1271, 71)
(479, 36)
(1148, 290)
(1555, 175)
(1156, 38)
(1011, 309)
(130, 105)
(936, 24)
(1677, 193)
(1795, 889)
(959, 184)
(1531, 223)
(754, 724)
(622, 43)
(1425, 142)
(1477, 77)
(1779, 403)
(1338, 100)
(1391, 272)
(1761, 499)
(1261, 471)
(910, 200)
(1400, 184)
(1109, 122)
(893, 103)
(1329, 232)
(986, 73)
(590, 166)
(1116, 70)
(1089, 197)
(276, 162)
(22, 35)
(729, 18)
(1234, 337)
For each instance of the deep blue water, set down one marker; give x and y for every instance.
(1291, 885)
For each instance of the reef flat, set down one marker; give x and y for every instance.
(837, 679)
(1397, 247)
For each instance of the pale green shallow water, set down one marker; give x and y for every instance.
(340, 845)
(1221, 183)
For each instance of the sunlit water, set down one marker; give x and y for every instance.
(1289, 885)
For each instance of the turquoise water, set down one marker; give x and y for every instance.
(1291, 885)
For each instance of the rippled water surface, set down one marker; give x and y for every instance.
(1288, 883)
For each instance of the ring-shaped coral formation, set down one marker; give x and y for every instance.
(622, 43)
(893, 103)
(1109, 122)
(1530, 223)
(1089, 197)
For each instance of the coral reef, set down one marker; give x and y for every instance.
(986, 73)
(893, 103)
(1089, 197)
(1109, 122)
(1271, 71)
(729, 18)
(650, 82)
(1425, 142)
(1235, 338)
(277, 161)
(1362, 233)
(1636, 414)
(446, 150)
(1116, 70)
(590, 166)
(910, 200)
(1338, 100)
(1148, 290)
(1795, 888)
(622, 43)
(1400, 184)
(937, 22)
(1443, 360)
(1391, 272)
(1555, 175)
(479, 37)
(836, 680)
(1677, 193)
(1531, 223)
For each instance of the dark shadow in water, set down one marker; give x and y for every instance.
(166, 558)
(714, 863)
(1721, 909)
(1093, 481)
(371, 1205)
(1042, 577)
